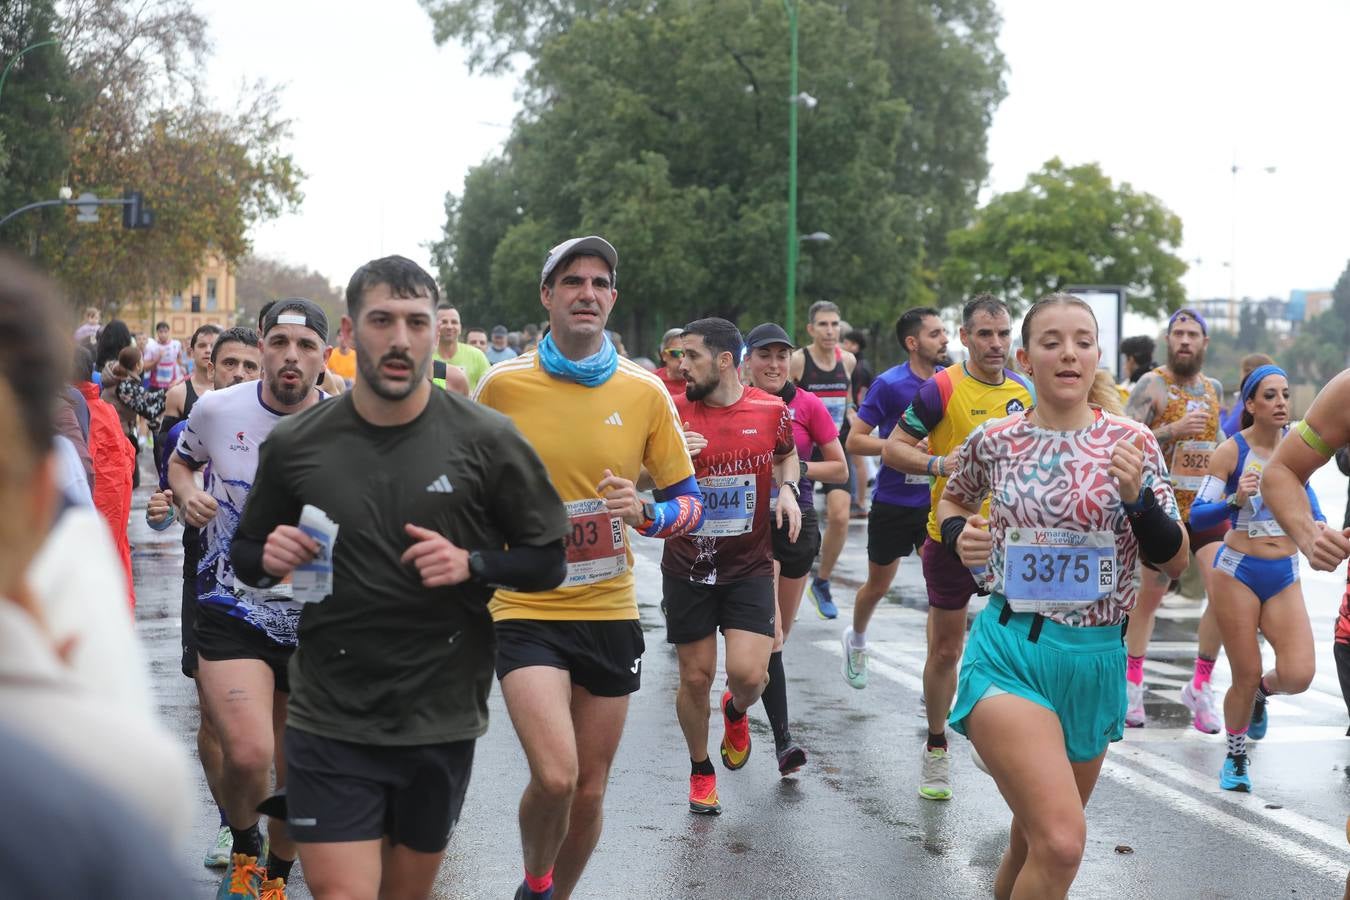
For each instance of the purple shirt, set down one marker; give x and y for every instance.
(888, 398)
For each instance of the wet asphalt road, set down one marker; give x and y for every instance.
(851, 824)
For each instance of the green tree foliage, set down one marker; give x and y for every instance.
(664, 126)
(1069, 225)
(1322, 348)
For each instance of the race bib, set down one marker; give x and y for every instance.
(728, 505)
(1190, 463)
(594, 541)
(835, 406)
(916, 479)
(1051, 569)
(1262, 523)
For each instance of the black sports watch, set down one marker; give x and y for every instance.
(476, 566)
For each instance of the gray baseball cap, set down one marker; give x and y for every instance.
(592, 243)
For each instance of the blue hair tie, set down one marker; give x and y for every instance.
(1255, 378)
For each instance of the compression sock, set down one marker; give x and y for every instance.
(1237, 742)
(1134, 669)
(702, 768)
(247, 841)
(539, 884)
(733, 714)
(774, 699)
(936, 741)
(1204, 667)
(278, 867)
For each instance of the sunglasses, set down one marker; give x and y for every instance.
(674, 354)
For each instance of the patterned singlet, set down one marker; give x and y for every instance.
(1188, 458)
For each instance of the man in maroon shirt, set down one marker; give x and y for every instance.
(721, 576)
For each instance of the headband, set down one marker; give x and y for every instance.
(1190, 314)
(1249, 386)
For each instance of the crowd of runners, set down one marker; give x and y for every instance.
(377, 518)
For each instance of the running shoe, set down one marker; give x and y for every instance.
(243, 878)
(935, 783)
(524, 893)
(820, 595)
(1201, 703)
(790, 758)
(703, 795)
(735, 737)
(854, 666)
(1134, 709)
(273, 889)
(218, 854)
(1233, 776)
(1257, 729)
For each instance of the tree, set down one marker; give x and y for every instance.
(1069, 225)
(1320, 350)
(260, 279)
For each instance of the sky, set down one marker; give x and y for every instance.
(1166, 96)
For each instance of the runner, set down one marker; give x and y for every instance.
(721, 576)
(768, 364)
(342, 362)
(1042, 692)
(235, 357)
(394, 665)
(179, 399)
(672, 351)
(477, 338)
(1255, 583)
(855, 342)
(449, 350)
(164, 360)
(245, 637)
(568, 659)
(898, 521)
(1181, 406)
(826, 370)
(945, 410)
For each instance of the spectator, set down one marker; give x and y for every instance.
(87, 334)
(1138, 353)
(499, 350)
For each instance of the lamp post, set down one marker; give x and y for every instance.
(791, 7)
(10, 64)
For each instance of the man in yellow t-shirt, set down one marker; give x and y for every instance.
(449, 350)
(567, 659)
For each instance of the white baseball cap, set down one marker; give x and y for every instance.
(592, 243)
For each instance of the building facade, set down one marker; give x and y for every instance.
(209, 299)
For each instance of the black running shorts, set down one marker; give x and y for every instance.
(694, 610)
(795, 559)
(338, 791)
(605, 658)
(894, 531)
(221, 636)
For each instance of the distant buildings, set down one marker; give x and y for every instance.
(1283, 317)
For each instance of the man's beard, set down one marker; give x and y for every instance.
(938, 360)
(694, 391)
(382, 388)
(1186, 368)
(288, 395)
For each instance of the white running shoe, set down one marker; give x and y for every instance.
(854, 665)
(935, 783)
(1201, 704)
(1134, 708)
(218, 854)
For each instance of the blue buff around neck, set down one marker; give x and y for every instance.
(592, 371)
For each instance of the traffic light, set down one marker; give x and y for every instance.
(135, 212)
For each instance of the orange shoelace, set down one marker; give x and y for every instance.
(273, 890)
(244, 878)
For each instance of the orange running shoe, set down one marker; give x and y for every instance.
(735, 737)
(703, 795)
(275, 889)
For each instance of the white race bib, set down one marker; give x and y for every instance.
(1053, 569)
(594, 542)
(728, 505)
(1190, 463)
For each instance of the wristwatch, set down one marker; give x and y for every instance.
(476, 566)
(648, 512)
(796, 490)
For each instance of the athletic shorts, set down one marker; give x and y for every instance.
(605, 658)
(1200, 539)
(795, 559)
(1078, 673)
(694, 610)
(950, 584)
(850, 484)
(894, 531)
(1263, 577)
(339, 791)
(221, 636)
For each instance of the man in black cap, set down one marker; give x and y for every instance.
(245, 637)
(498, 351)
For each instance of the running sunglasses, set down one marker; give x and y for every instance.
(674, 354)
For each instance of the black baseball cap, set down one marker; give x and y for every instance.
(297, 311)
(766, 334)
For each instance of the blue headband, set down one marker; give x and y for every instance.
(1249, 386)
(1190, 314)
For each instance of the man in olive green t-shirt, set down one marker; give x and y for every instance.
(449, 350)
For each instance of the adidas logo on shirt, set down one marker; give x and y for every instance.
(441, 485)
(614, 419)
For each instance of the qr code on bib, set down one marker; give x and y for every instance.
(616, 532)
(750, 502)
(1105, 573)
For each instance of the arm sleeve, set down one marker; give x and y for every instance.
(970, 484)
(524, 568)
(270, 503)
(925, 412)
(680, 513)
(1155, 476)
(1210, 508)
(1317, 514)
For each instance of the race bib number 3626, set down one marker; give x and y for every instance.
(595, 545)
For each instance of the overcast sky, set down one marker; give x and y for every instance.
(1164, 95)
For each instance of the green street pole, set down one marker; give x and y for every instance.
(791, 324)
(10, 65)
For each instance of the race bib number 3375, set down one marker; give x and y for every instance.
(1049, 569)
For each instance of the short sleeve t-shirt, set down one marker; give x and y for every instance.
(811, 427)
(890, 395)
(735, 473)
(470, 360)
(384, 660)
(624, 425)
(343, 363)
(161, 361)
(224, 432)
(950, 405)
(1046, 482)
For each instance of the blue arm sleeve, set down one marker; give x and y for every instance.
(1317, 514)
(1205, 516)
(680, 510)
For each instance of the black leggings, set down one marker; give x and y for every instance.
(1342, 653)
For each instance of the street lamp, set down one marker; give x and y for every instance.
(795, 98)
(10, 64)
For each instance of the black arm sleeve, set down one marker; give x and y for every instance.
(270, 503)
(1159, 537)
(246, 556)
(523, 568)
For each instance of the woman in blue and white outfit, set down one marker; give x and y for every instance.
(1256, 583)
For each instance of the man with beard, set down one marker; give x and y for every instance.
(568, 659)
(1181, 406)
(900, 502)
(945, 410)
(234, 357)
(391, 678)
(245, 637)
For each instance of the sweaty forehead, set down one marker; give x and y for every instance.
(983, 321)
